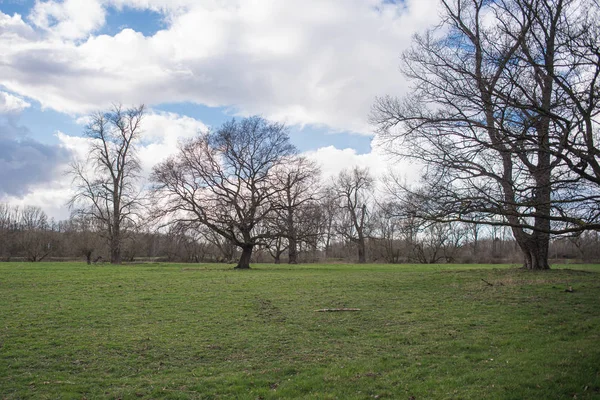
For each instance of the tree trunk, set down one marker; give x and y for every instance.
(362, 258)
(115, 250)
(115, 240)
(291, 235)
(244, 262)
(293, 249)
(535, 254)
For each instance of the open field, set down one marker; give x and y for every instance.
(69, 330)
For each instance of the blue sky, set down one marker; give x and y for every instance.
(16, 6)
(316, 65)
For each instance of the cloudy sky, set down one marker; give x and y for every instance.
(316, 65)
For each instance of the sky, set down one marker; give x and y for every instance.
(315, 65)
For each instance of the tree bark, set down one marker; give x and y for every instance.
(115, 240)
(291, 236)
(115, 249)
(362, 258)
(535, 253)
(244, 262)
(292, 250)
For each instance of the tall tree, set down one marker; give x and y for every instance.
(105, 184)
(485, 119)
(299, 182)
(225, 180)
(325, 217)
(352, 188)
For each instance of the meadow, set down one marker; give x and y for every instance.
(196, 331)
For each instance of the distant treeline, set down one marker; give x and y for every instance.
(26, 233)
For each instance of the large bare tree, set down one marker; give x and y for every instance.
(106, 184)
(225, 180)
(489, 122)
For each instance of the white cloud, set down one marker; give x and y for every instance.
(51, 197)
(14, 27)
(333, 160)
(69, 19)
(78, 146)
(10, 104)
(162, 133)
(300, 61)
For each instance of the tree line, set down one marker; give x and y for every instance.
(27, 234)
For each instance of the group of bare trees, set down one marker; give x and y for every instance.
(246, 183)
(26, 232)
(322, 235)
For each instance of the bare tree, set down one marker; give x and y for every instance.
(226, 251)
(83, 236)
(353, 191)
(224, 180)
(35, 238)
(299, 182)
(485, 119)
(387, 225)
(438, 242)
(325, 217)
(276, 246)
(105, 184)
(8, 223)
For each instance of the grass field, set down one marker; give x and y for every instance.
(206, 331)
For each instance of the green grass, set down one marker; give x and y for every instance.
(207, 331)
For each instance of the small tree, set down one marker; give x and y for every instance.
(105, 184)
(225, 180)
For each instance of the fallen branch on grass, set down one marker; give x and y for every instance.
(491, 284)
(337, 309)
